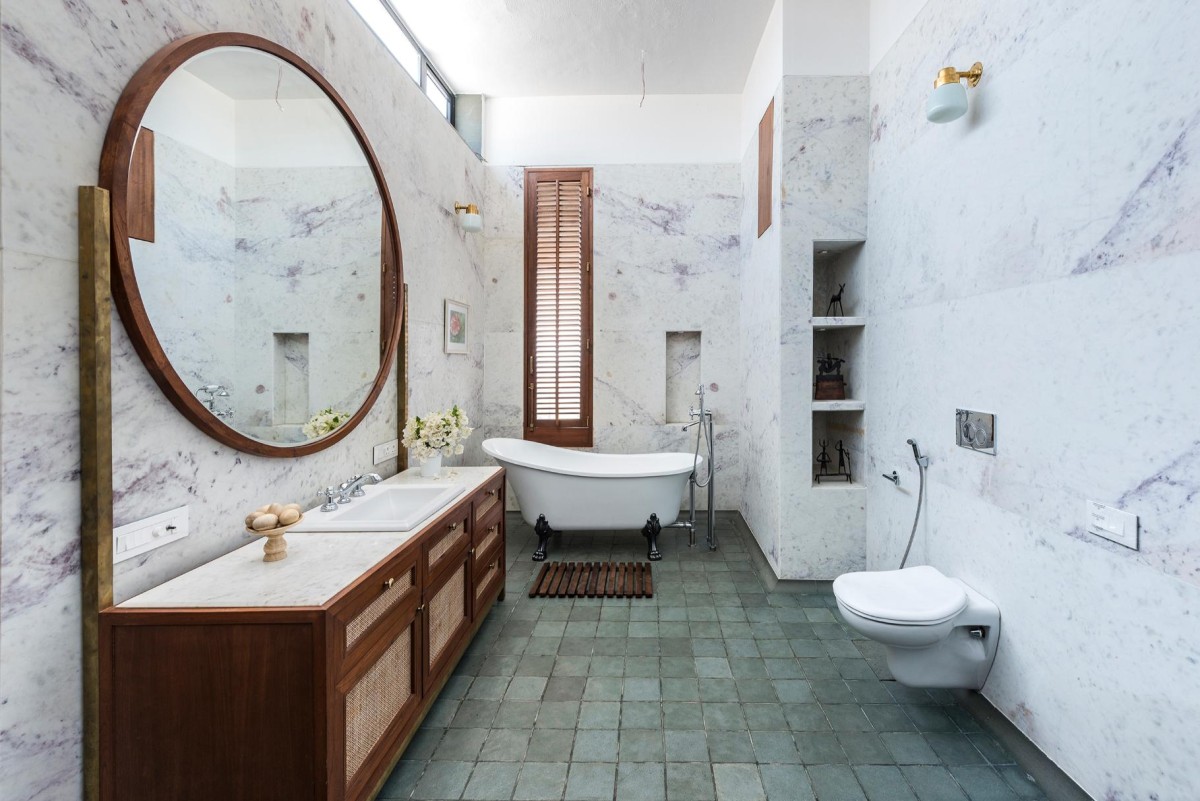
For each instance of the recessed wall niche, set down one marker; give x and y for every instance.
(683, 373)
(291, 379)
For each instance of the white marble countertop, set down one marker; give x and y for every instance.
(318, 565)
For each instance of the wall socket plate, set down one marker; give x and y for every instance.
(975, 431)
(386, 450)
(1113, 524)
(135, 539)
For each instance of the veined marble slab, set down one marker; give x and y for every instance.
(318, 565)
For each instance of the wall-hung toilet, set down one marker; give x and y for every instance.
(938, 631)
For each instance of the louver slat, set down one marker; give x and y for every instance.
(558, 306)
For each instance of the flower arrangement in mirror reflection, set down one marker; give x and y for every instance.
(324, 422)
(437, 433)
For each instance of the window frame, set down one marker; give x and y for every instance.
(427, 72)
(571, 436)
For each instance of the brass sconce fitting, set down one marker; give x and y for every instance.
(950, 75)
(469, 208)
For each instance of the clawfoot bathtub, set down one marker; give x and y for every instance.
(580, 491)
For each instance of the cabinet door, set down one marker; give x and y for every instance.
(447, 616)
(378, 701)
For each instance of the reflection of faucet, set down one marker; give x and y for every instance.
(353, 487)
(208, 395)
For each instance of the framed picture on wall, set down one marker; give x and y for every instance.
(456, 326)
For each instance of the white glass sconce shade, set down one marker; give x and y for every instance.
(947, 103)
(469, 217)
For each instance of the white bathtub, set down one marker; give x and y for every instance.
(561, 489)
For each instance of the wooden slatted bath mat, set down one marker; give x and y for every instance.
(593, 580)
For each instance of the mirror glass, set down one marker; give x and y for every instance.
(257, 234)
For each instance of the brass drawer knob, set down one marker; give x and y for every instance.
(491, 493)
(492, 528)
(472, 552)
(387, 585)
(492, 566)
(454, 527)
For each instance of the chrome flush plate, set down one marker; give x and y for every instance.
(976, 431)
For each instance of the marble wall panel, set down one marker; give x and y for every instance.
(1037, 259)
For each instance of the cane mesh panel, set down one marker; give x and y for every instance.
(358, 626)
(485, 580)
(375, 701)
(486, 505)
(447, 612)
(491, 536)
(446, 544)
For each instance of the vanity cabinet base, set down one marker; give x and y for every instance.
(291, 703)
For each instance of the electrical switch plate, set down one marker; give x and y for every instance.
(386, 450)
(1112, 524)
(135, 539)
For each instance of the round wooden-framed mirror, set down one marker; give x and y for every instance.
(256, 257)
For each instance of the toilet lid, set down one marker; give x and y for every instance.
(914, 596)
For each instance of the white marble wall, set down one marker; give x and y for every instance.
(822, 530)
(666, 252)
(64, 67)
(308, 255)
(759, 292)
(1038, 259)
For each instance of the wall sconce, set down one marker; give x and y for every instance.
(471, 220)
(949, 99)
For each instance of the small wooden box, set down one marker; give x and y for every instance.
(830, 387)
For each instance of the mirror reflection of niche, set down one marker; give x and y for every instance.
(266, 220)
(291, 407)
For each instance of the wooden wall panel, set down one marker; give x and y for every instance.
(766, 150)
(141, 187)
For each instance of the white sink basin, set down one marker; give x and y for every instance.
(386, 507)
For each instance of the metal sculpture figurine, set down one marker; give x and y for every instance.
(844, 462)
(823, 460)
(836, 300)
(830, 364)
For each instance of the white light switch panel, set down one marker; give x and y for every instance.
(1113, 524)
(386, 450)
(135, 539)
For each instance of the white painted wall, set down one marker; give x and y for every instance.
(763, 79)
(888, 20)
(824, 38)
(611, 129)
(195, 114)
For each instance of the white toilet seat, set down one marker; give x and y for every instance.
(913, 596)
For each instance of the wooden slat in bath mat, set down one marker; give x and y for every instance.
(593, 579)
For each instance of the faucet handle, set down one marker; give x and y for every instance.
(330, 505)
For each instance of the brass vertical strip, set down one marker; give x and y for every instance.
(402, 382)
(95, 439)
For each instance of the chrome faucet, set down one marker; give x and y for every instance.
(208, 395)
(354, 487)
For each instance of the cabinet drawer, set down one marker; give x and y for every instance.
(447, 540)
(381, 595)
(489, 577)
(490, 497)
(489, 533)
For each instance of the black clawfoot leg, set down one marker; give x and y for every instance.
(650, 532)
(543, 530)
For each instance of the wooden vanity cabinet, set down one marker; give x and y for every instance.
(301, 702)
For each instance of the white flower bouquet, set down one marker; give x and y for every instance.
(437, 433)
(324, 422)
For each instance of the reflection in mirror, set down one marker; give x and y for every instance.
(255, 232)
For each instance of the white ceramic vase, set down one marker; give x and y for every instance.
(431, 467)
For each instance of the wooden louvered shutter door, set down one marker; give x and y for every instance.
(558, 306)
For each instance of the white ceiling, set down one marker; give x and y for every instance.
(524, 48)
(245, 74)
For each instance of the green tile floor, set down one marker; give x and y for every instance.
(713, 690)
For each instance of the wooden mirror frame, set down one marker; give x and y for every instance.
(115, 159)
